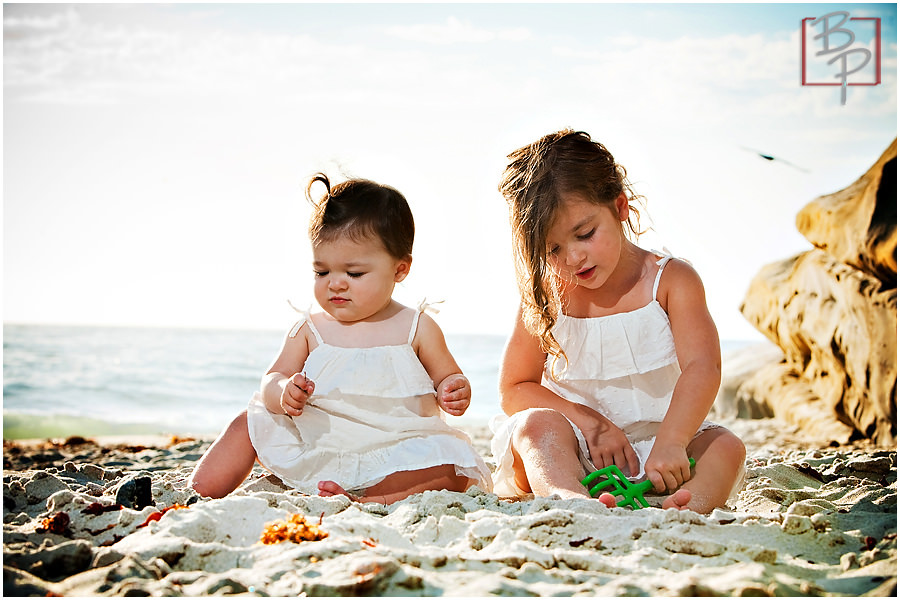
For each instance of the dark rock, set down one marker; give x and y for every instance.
(135, 493)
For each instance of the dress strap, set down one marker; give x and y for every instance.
(422, 307)
(666, 257)
(307, 318)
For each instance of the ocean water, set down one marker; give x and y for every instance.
(80, 380)
(90, 381)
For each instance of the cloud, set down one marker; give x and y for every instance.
(63, 58)
(454, 31)
(20, 27)
(717, 80)
(70, 58)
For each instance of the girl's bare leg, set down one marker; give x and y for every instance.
(720, 455)
(226, 463)
(545, 457)
(402, 484)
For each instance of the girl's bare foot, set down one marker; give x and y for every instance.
(679, 500)
(608, 499)
(330, 488)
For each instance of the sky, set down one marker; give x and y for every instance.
(155, 156)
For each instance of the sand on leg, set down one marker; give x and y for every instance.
(227, 462)
(545, 457)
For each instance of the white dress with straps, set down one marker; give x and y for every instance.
(622, 365)
(374, 412)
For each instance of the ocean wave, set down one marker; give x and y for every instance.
(17, 426)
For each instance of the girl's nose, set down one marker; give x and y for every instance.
(573, 256)
(337, 283)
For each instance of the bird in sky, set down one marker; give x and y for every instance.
(769, 157)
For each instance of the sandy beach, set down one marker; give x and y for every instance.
(106, 517)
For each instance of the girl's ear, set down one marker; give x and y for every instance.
(622, 209)
(403, 267)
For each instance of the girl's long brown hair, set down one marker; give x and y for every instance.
(534, 183)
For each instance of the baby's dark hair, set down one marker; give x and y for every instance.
(360, 208)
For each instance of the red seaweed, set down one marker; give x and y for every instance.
(95, 508)
(156, 516)
(58, 524)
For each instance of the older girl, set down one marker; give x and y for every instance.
(614, 358)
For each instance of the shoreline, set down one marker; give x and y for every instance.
(810, 520)
(28, 415)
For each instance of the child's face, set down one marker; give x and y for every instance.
(355, 279)
(585, 240)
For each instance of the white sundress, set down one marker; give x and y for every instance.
(374, 412)
(623, 366)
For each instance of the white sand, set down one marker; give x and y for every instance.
(808, 522)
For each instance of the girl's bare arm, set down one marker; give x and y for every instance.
(431, 348)
(699, 356)
(454, 392)
(284, 389)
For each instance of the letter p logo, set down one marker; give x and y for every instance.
(831, 52)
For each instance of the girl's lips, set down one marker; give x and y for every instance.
(586, 274)
(338, 300)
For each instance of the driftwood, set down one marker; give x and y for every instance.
(833, 313)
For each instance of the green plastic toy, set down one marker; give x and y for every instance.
(612, 477)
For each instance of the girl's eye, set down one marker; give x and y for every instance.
(553, 251)
(354, 275)
(587, 235)
(320, 273)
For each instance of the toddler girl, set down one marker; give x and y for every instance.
(349, 405)
(614, 358)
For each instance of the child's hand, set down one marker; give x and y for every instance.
(454, 394)
(608, 445)
(667, 467)
(297, 391)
